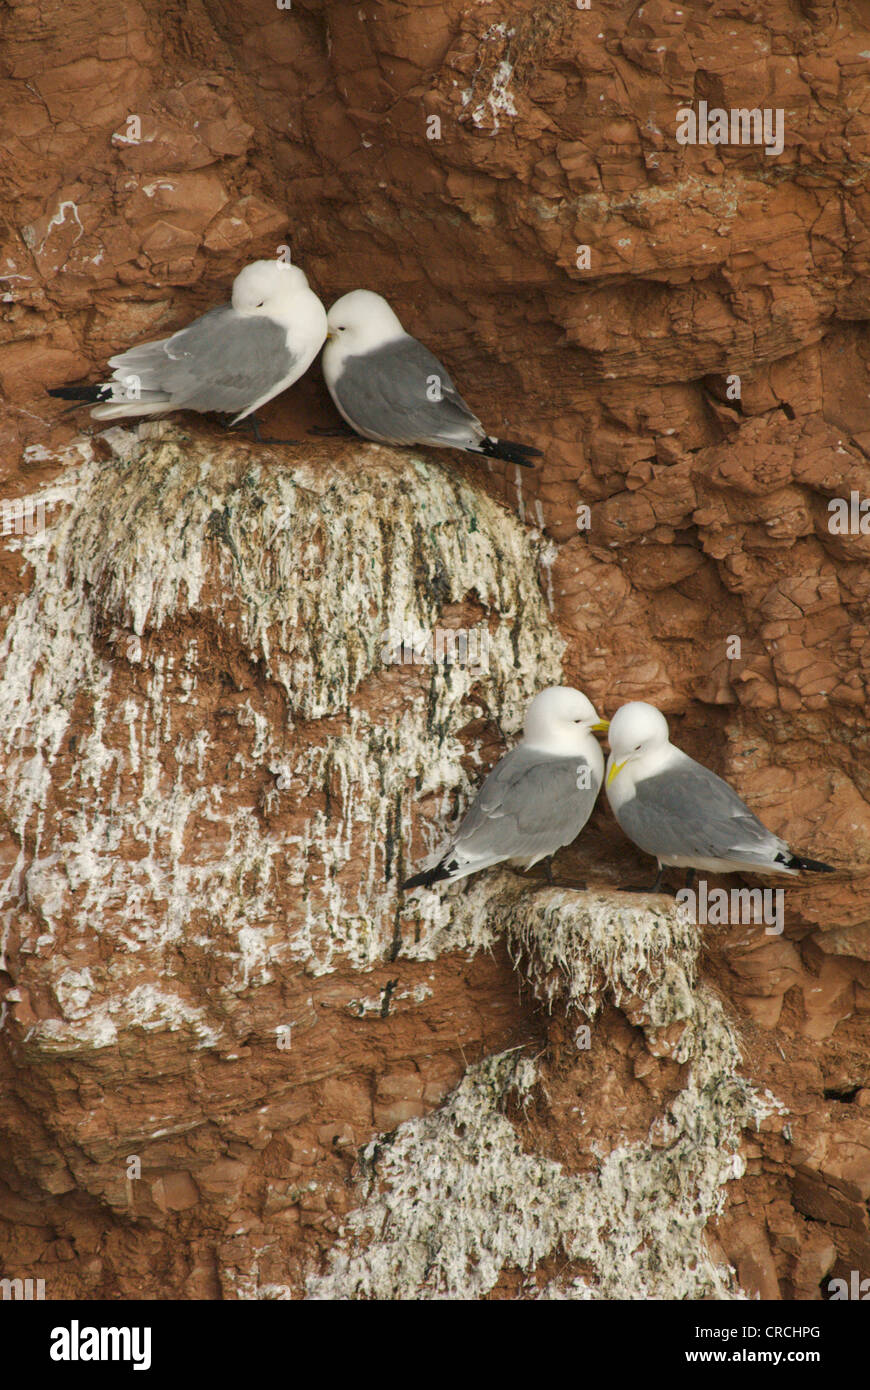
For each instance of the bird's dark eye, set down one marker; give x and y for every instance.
(638, 748)
(260, 305)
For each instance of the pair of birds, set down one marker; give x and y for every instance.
(385, 384)
(541, 794)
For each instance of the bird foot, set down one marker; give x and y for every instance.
(251, 425)
(333, 432)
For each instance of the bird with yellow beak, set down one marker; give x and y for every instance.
(680, 811)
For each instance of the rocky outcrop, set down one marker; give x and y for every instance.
(216, 768)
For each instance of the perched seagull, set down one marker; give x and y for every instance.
(233, 359)
(390, 388)
(679, 811)
(537, 799)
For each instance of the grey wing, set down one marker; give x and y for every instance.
(222, 361)
(401, 394)
(690, 811)
(529, 806)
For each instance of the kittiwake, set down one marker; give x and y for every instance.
(679, 811)
(232, 359)
(537, 798)
(390, 388)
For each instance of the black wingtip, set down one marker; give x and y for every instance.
(83, 394)
(813, 866)
(427, 878)
(508, 451)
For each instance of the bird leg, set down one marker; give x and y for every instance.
(548, 869)
(690, 877)
(254, 424)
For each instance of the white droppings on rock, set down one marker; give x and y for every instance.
(297, 573)
(452, 1199)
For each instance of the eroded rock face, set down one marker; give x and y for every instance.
(214, 771)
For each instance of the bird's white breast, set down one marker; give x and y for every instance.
(305, 321)
(623, 788)
(332, 361)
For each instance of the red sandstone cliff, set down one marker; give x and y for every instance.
(211, 777)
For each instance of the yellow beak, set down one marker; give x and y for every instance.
(329, 336)
(601, 727)
(614, 768)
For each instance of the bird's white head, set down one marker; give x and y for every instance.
(266, 287)
(361, 322)
(636, 730)
(560, 719)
